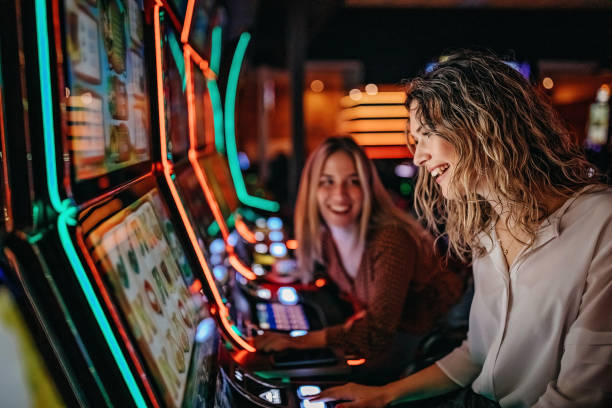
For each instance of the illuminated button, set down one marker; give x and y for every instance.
(287, 295)
(272, 396)
(264, 325)
(276, 236)
(216, 259)
(260, 236)
(238, 374)
(233, 238)
(308, 391)
(261, 248)
(217, 246)
(220, 273)
(264, 293)
(275, 223)
(205, 330)
(241, 279)
(260, 223)
(258, 270)
(312, 404)
(278, 249)
(298, 333)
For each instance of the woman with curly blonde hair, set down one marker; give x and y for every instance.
(502, 173)
(346, 222)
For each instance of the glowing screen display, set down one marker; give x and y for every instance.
(107, 97)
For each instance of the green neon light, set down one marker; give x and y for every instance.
(47, 111)
(215, 99)
(213, 229)
(215, 49)
(230, 131)
(67, 218)
(177, 55)
(66, 210)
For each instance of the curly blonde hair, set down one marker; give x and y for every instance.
(377, 208)
(506, 135)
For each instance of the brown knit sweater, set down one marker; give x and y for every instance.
(400, 284)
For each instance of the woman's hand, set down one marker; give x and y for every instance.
(272, 341)
(360, 396)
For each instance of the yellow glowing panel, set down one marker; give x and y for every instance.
(374, 125)
(384, 139)
(378, 111)
(378, 99)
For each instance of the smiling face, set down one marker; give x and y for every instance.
(437, 155)
(339, 192)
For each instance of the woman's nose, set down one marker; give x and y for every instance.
(420, 156)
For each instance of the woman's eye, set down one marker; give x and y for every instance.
(355, 182)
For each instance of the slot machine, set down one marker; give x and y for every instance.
(111, 265)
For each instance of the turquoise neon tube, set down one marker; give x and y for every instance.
(213, 90)
(67, 210)
(230, 131)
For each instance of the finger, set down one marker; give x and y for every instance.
(331, 394)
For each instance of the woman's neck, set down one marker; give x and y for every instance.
(346, 237)
(349, 247)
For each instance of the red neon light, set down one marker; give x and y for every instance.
(195, 287)
(356, 362)
(291, 244)
(8, 219)
(223, 312)
(387, 152)
(319, 283)
(116, 319)
(240, 267)
(187, 22)
(244, 231)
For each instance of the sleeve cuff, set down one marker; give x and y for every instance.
(459, 367)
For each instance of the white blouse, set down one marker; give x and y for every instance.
(540, 333)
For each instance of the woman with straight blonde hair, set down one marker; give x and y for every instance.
(346, 222)
(500, 170)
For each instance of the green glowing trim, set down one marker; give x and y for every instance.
(213, 229)
(177, 55)
(65, 209)
(32, 239)
(215, 49)
(67, 218)
(236, 330)
(230, 131)
(47, 103)
(215, 99)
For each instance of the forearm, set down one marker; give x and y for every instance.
(314, 339)
(429, 382)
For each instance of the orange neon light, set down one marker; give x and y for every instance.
(374, 125)
(379, 98)
(319, 283)
(244, 231)
(116, 319)
(376, 111)
(291, 244)
(380, 139)
(240, 267)
(387, 152)
(356, 362)
(195, 287)
(187, 21)
(223, 312)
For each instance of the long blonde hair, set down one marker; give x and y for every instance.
(506, 135)
(377, 207)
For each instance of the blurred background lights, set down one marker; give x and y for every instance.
(298, 333)
(548, 83)
(261, 248)
(205, 330)
(278, 249)
(287, 295)
(371, 89)
(217, 246)
(233, 238)
(258, 270)
(317, 85)
(264, 293)
(275, 223)
(355, 94)
(243, 160)
(603, 93)
(405, 170)
(220, 273)
(276, 236)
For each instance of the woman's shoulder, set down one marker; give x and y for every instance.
(591, 202)
(392, 234)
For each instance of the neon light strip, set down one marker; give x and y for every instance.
(215, 49)
(117, 321)
(8, 217)
(230, 132)
(190, 53)
(65, 209)
(201, 176)
(187, 21)
(213, 89)
(245, 231)
(67, 218)
(223, 312)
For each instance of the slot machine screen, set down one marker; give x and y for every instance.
(107, 92)
(218, 173)
(173, 67)
(147, 274)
